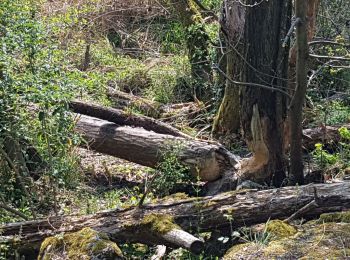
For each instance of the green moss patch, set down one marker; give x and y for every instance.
(160, 223)
(335, 217)
(280, 229)
(313, 240)
(85, 244)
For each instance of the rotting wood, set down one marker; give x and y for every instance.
(225, 211)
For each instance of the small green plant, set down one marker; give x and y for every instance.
(258, 237)
(322, 157)
(340, 156)
(170, 170)
(344, 152)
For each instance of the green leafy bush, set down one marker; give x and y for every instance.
(36, 135)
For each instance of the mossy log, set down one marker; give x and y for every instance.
(225, 211)
(206, 160)
(122, 118)
(84, 244)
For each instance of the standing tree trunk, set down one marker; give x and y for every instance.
(227, 120)
(263, 111)
(294, 126)
(296, 106)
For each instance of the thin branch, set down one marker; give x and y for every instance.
(216, 67)
(291, 29)
(327, 42)
(224, 31)
(329, 57)
(13, 211)
(250, 5)
(308, 207)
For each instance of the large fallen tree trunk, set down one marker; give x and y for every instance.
(206, 160)
(225, 211)
(311, 136)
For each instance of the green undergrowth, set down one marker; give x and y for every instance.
(334, 162)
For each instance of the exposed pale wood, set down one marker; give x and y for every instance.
(220, 212)
(184, 239)
(206, 160)
(160, 252)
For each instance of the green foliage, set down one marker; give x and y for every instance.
(34, 93)
(341, 156)
(172, 38)
(170, 171)
(322, 157)
(170, 81)
(258, 237)
(330, 113)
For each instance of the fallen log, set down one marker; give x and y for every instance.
(326, 135)
(123, 100)
(206, 160)
(225, 211)
(168, 112)
(122, 118)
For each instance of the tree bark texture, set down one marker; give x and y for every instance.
(227, 120)
(263, 111)
(223, 212)
(296, 105)
(312, 9)
(206, 160)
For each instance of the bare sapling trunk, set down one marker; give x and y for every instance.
(296, 105)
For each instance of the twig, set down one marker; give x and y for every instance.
(160, 252)
(327, 42)
(251, 84)
(147, 190)
(329, 57)
(13, 211)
